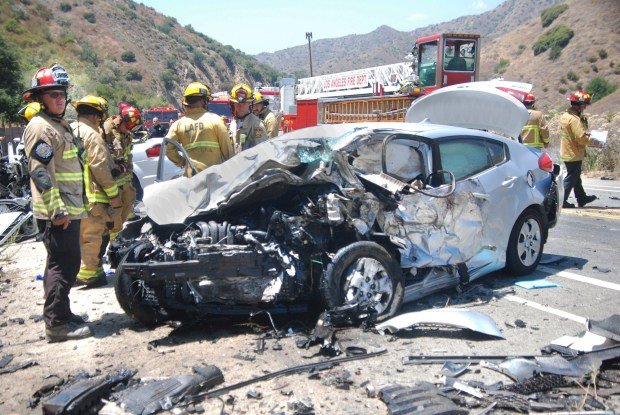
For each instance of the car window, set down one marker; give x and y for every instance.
(465, 157)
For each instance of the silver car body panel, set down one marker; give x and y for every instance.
(471, 105)
(451, 317)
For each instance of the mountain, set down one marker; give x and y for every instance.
(508, 33)
(122, 50)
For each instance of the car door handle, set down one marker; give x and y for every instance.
(509, 181)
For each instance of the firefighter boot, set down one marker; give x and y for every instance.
(69, 331)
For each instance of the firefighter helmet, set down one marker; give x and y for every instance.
(47, 78)
(130, 116)
(259, 99)
(97, 103)
(197, 89)
(580, 97)
(241, 93)
(529, 99)
(29, 110)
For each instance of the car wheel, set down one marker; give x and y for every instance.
(135, 182)
(364, 274)
(526, 243)
(129, 294)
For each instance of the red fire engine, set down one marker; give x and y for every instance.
(165, 115)
(384, 93)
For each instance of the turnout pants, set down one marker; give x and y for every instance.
(128, 197)
(572, 181)
(94, 238)
(61, 268)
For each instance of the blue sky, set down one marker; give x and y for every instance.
(270, 25)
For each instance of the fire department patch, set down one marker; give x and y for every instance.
(42, 151)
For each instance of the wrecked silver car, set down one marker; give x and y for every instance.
(369, 215)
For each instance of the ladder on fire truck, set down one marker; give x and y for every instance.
(370, 94)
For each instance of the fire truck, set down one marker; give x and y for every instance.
(165, 115)
(384, 93)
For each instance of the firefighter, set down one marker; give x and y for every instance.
(246, 128)
(202, 134)
(574, 138)
(101, 189)
(267, 116)
(117, 133)
(535, 133)
(58, 204)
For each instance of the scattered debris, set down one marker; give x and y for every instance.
(302, 406)
(520, 323)
(254, 394)
(587, 342)
(81, 396)
(6, 360)
(453, 369)
(534, 284)
(608, 327)
(607, 178)
(340, 379)
(212, 375)
(19, 366)
(452, 317)
(601, 269)
(424, 398)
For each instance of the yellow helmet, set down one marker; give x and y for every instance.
(197, 89)
(241, 93)
(97, 103)
(259, 99)
(29, 110)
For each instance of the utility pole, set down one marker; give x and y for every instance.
(309, 37)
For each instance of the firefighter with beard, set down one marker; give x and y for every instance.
(102, 191)
(247, 129)
(117, 133)
(58, 203)
(269, 119)
(202, 134)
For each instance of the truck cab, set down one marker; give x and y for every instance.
(446, 59)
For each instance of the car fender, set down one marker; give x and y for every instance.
(139, 173)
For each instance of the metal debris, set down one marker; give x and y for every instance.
(19, 366)
(422, 399)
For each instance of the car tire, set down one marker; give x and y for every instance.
(526, 243)
(135, 182)
(128, 294)
(339, 286)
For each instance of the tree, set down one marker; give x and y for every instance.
(10, 86)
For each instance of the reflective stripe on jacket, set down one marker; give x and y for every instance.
(120, 148)
(535, 133)
(203, 135)
(66, 195)
(98, 163)
(573, 137)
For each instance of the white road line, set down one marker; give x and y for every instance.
(547, 309)
(580, 278)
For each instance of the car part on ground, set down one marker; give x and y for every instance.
(423, 399)
(450, 317)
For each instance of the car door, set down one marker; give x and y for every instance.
(487, 161)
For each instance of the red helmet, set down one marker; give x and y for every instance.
(47, 78)
(580, 97)
(130, 116)
(529, 99)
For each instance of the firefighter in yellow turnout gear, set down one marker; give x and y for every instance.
(246, 128)
(202, 134)
(261, 110)
(117, 134)
(535, 133)
(101, 189)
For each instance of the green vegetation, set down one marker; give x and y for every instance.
(550, 14)
(133, 75)
(14, 26)
(600, 88)
(90, 17)
(167, 78)
(562, 90)
(595, 68)
(572, 76)
(555, 39)
(521, 49)
(10, 74)
(65, 7)
(501, 66)
(168, 25)
(128, 56)
(592, 58)
(88, 53)
(602, 53)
